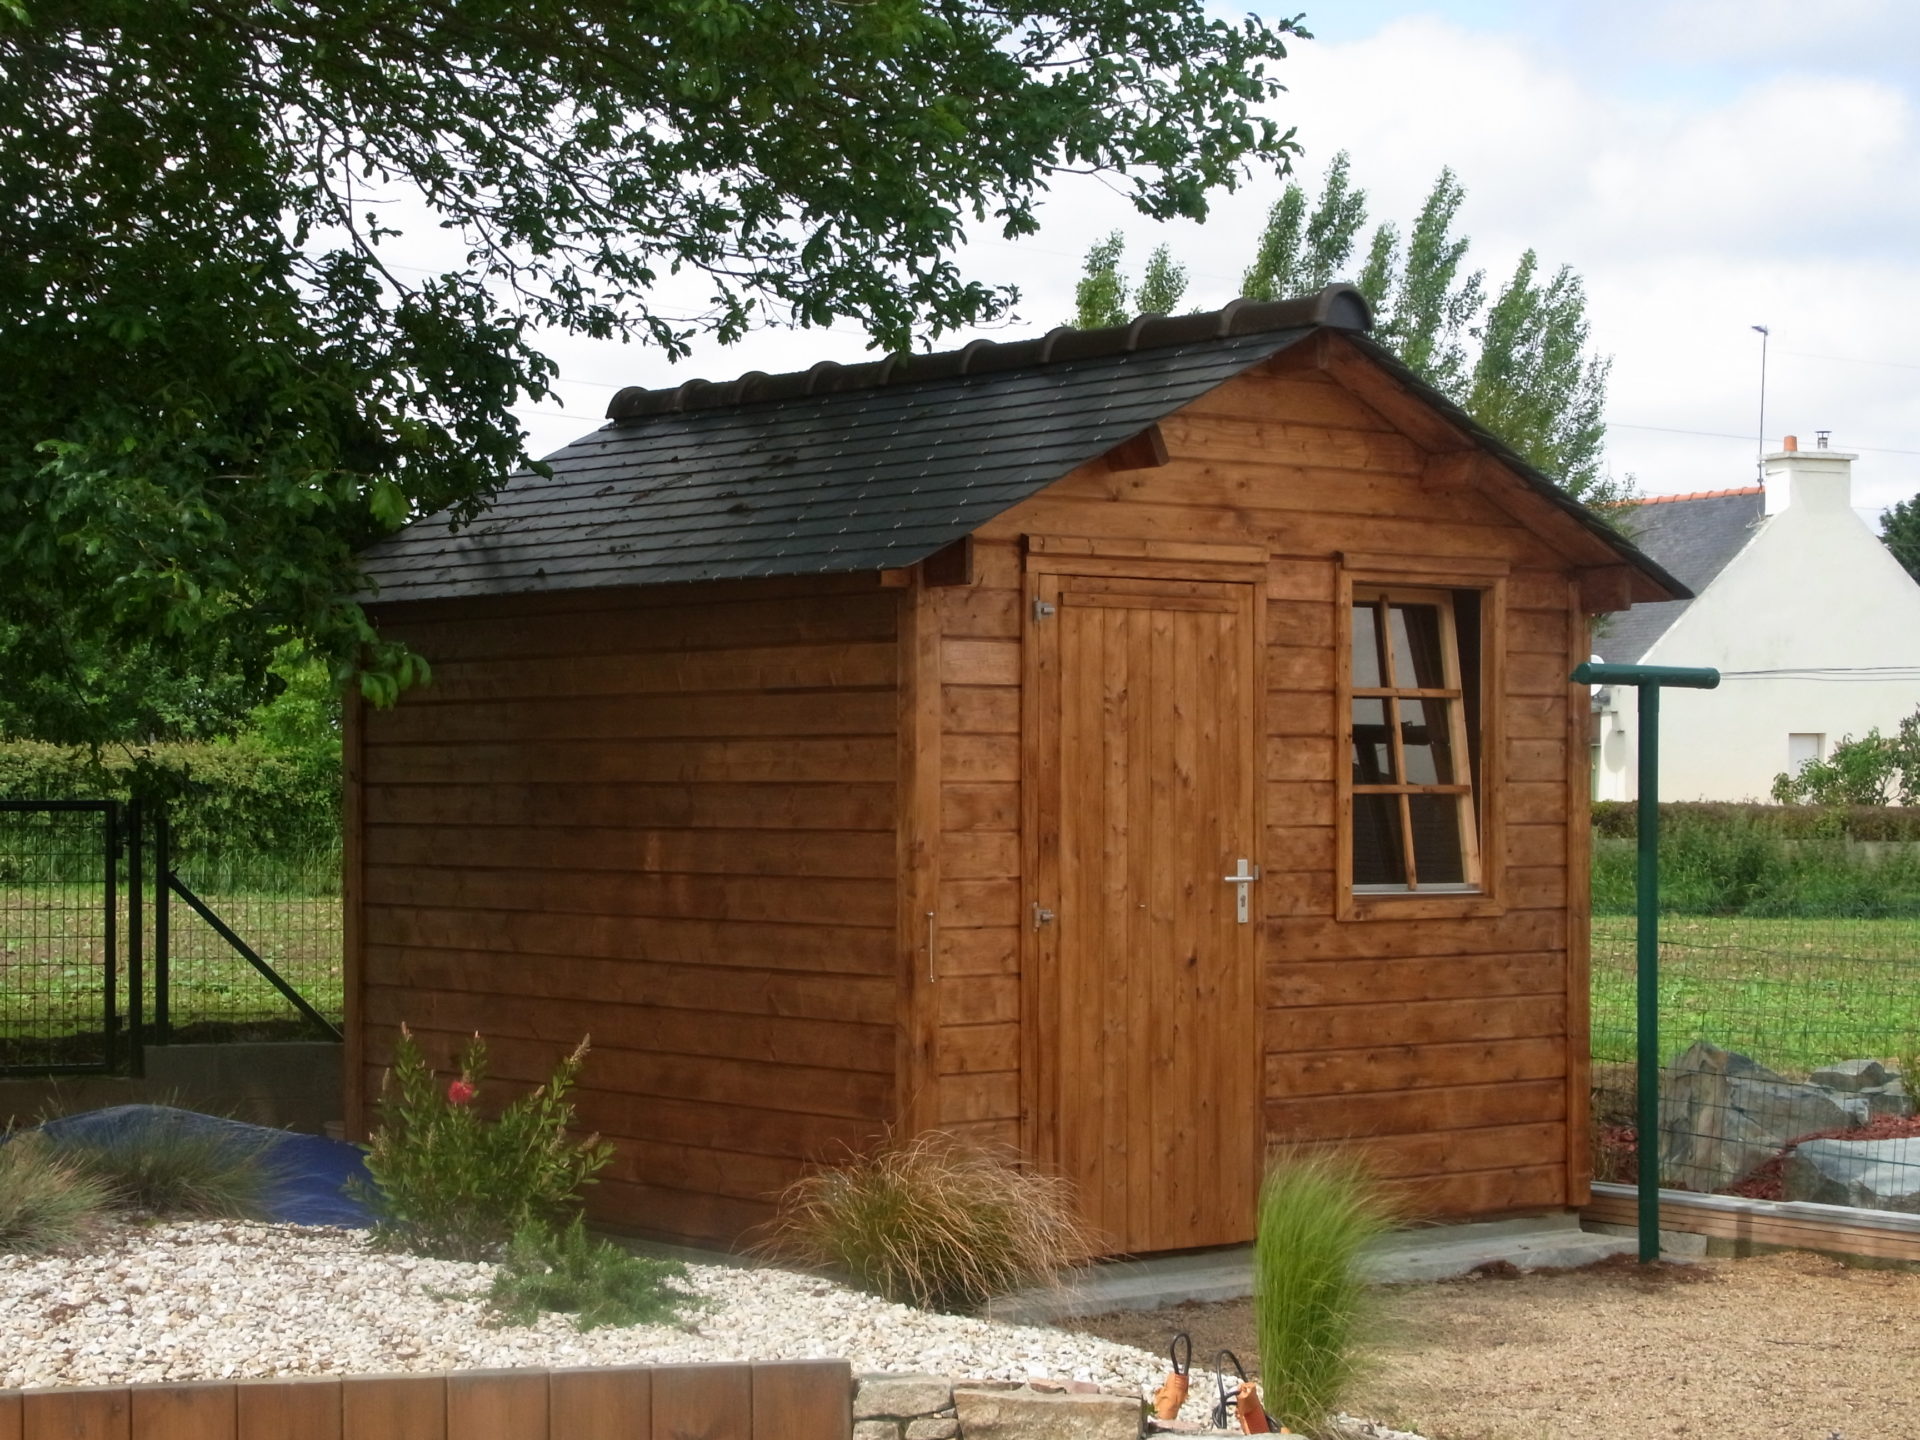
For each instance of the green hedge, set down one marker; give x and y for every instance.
(1620, 819)
(1764, 861)
(225, 798)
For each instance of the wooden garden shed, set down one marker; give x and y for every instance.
(1131, 747)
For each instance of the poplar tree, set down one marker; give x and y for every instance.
(1900, 533)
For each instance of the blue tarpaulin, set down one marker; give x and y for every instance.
(309, 1172)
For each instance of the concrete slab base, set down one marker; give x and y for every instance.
(1440, 1252)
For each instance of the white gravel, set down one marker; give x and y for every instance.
(218, 1300)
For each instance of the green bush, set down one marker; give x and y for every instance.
(1318, 1212)
(597, 1283)
(1620, 819)
(174, 1166)
(1756, 861)
(450, 1183)
(931, 1222)
(47, 1202)
(236, 798)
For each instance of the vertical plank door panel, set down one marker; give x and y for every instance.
(394, 1407)
(75, 1414)
(293, 1409)
(802, 1400)
(10, 1415)
(497, 1405)
(703, 1402)
(183, 1412)
(600, 1404)
(1153, 1073)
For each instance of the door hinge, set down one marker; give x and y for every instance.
(1042, 609)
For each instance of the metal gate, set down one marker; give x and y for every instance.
(60, 932)
(76, 994)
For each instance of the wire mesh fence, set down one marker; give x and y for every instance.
(112, 934)
(1790, 1050)
(59, 927)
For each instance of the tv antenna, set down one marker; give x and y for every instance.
(1760, 440)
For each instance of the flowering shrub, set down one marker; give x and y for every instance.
(451, 1183)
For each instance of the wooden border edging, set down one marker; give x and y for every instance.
(766, 1400)
(1835, 1229)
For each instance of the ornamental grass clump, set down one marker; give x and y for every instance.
(452, 1183)
(931, 1222)
(1318, 1213)
(47, 1202)
(596, 1282)
(176, 1163)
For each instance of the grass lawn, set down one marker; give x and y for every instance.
(1793, 994)
(52, 951)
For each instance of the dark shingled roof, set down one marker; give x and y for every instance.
(842, 469)
(1694, 536)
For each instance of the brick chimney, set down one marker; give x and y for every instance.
(1817, 479)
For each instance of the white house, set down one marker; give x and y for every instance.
(1814, 627)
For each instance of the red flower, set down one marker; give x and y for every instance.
(460, 1092)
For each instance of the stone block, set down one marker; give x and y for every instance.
(1723, 1115)
(1889, 1100)
(932, 1428)
(1850, 1075)
(1869, 1174)
(876, 1430)
(902, 1397)
(1028, 1415)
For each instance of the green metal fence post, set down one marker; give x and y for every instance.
(1649, 679)
(1647, 973)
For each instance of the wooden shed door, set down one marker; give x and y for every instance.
(1146, 1047)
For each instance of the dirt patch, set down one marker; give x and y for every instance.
(1795, 1346)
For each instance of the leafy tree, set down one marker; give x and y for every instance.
(1523, 368)
(1872, 770)
(1100, 298)
(1163, 283)
(1900, 533)
(218, 382)
(1535, 384)
(1104, 296)
(1299, 254)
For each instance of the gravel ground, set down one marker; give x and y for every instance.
(215, 1300)
(1792, 1345)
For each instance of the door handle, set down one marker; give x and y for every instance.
(1244, 875)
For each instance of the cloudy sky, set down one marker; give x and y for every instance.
(1706, 165)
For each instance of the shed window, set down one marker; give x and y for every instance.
(1414, 706)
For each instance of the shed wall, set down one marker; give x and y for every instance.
(667, 818)
(1453, 1049)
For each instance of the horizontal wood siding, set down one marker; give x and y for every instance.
(666, 818)
(1439, 1046)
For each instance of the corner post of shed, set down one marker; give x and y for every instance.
(917, 826)
(1648, 679)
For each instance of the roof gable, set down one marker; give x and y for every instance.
(1694, 537)
(844, 469)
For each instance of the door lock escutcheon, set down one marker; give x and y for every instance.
(1243, 877)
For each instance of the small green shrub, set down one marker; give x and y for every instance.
(452, 1184)
(175, 1166)
(596, 1282)
(47, 1202)
(931, 1222)
(1318, 1212)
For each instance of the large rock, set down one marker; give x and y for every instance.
(1030, 1415)
(1870, 1174)
(901, 1397)
(1723, 1115)
(1890, 1099)
(1851, 1075)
